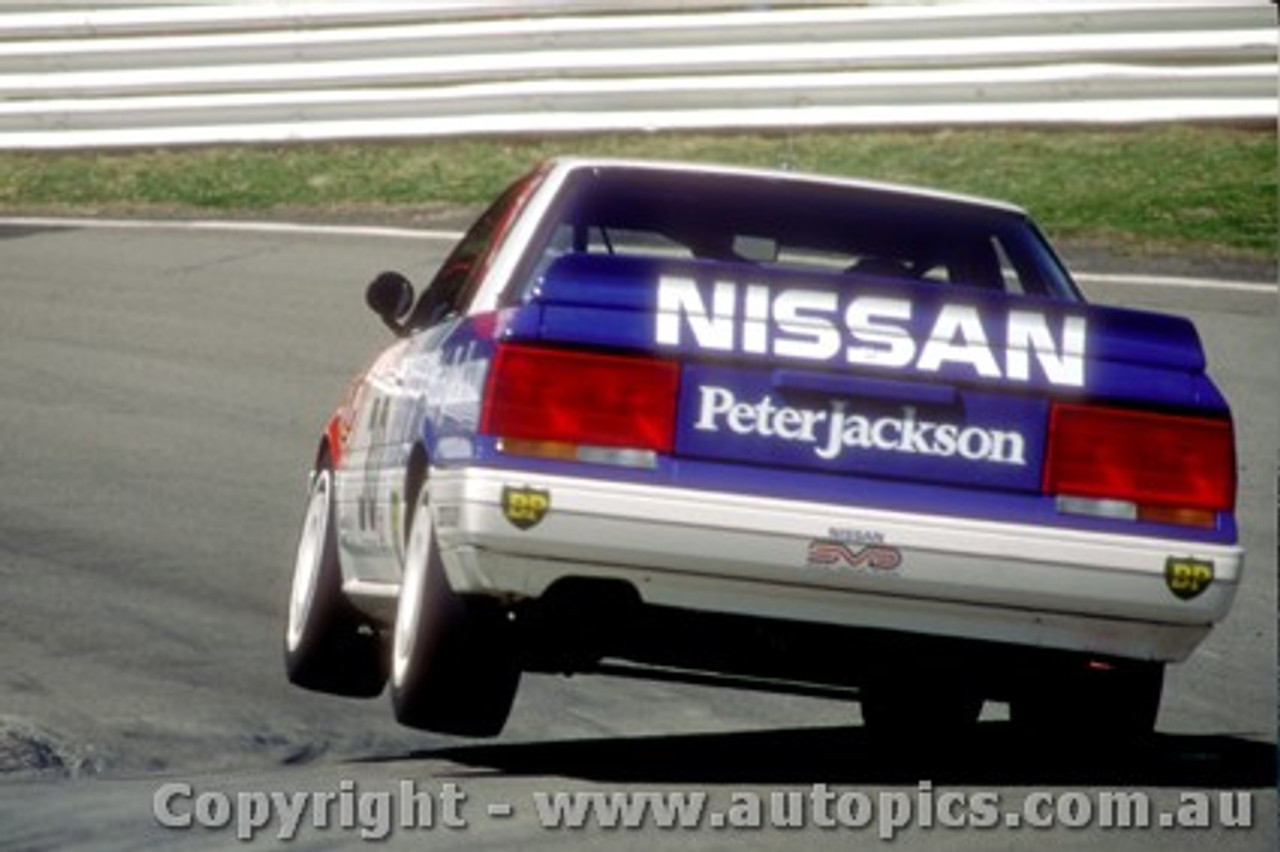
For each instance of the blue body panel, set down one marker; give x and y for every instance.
(944, 440)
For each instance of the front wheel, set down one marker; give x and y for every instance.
(327, 646)
(453, 667)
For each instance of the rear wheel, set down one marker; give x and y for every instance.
(328, 647)
(924, 707)
(1111, 704)
(453, 667)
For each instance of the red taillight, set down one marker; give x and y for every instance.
(567, 398)
(1171, 468)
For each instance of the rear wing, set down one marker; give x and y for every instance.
(843, 322)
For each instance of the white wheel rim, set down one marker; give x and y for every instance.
(306, 566)
(409, 607)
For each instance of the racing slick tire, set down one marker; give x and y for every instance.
(328, 647)
(453, 664)
(1109, 706)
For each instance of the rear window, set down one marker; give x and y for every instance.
(866, 233)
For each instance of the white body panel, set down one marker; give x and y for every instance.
(976, 580)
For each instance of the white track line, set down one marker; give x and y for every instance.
(306, 229)
(1175, 282)
(232, 225)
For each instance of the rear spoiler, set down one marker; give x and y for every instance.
(842, 321)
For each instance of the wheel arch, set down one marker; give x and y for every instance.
(324, 454)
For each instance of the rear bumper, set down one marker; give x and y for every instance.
(812, 562)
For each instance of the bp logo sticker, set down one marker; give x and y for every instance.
(525, 507)
(1186, 576)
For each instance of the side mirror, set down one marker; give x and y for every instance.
(390, 296)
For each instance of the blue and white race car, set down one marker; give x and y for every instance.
(767, 428)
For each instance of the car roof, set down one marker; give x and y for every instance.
(575, 163)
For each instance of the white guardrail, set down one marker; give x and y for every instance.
(200, 73)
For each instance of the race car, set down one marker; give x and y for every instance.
(774, 430)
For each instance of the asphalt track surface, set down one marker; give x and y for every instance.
(161, 392)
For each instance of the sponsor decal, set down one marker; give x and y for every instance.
(524, 506)
(397, 534)
(448, 386)
(849, 535)
(869, 330)
(1187, 577)
(838, 429)
(864, 557)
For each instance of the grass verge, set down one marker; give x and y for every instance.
(1176, 188)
